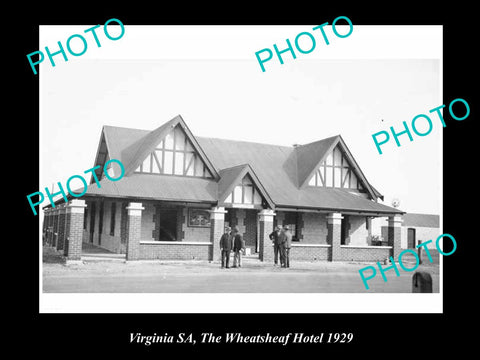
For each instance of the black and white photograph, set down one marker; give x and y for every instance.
(208, 173)
(291, 185)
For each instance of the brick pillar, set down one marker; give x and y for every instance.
(75, 210)
(217, 228)
(66, 232)
(265, 245)
(334, 224)
(49, 227)
(395, 235)
(56, 213)
(46, 217)
(134, 230)
(61, 228)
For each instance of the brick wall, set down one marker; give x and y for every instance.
(148, 223)
(133, 233)
(174, 251)
(246, 220)
(250, 233)
(309, 253)
(191, 233)
(333, 239)
(61, 230)
(75, 236)
(370, 253)
(266, 252)
(358, 232)
(67, 233)
(394, 240)
(123, 227)
(217, 228)
(314, 229)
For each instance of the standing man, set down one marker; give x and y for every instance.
(238, 246)
(281, 246)
(276, 245)
(226, 247)
(287, 245)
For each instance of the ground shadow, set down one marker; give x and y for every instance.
(52, 256)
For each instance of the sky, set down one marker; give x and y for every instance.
(377, 77)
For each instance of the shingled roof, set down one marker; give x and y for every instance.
(280, 172)
(421, 220)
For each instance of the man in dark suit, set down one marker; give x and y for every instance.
(238, 246)
(281, 246)
(276, 245)
(287, 246)
(226, 247)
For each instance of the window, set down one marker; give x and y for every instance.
(175, 155)
(112, 218)
(335, 171)
(167, 224)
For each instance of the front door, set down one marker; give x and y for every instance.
(411, 238)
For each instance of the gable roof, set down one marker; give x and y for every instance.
(421, 220)
(152, 187)
(230, 177)
(310, 156)
(132, 146)
(278, 171)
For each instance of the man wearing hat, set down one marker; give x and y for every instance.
(276, 244)
(226, 247)
(238, 246)
(287, 244)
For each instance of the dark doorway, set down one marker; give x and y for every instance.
(250, 235)
(100, 223)
(344, 232)
(92, 220)
(411, 238)
(168, 224)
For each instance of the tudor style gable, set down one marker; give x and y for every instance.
(334, 167)
(240, 187)
(175, 155)
(336, 171)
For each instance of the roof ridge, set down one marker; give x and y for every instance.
(243, 141)
(324, 139)
(235, 166)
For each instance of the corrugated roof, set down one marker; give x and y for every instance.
(310, 155)
(278, 169)
(155, 187)
(228, 178)
(421, 220)
(122, 142)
